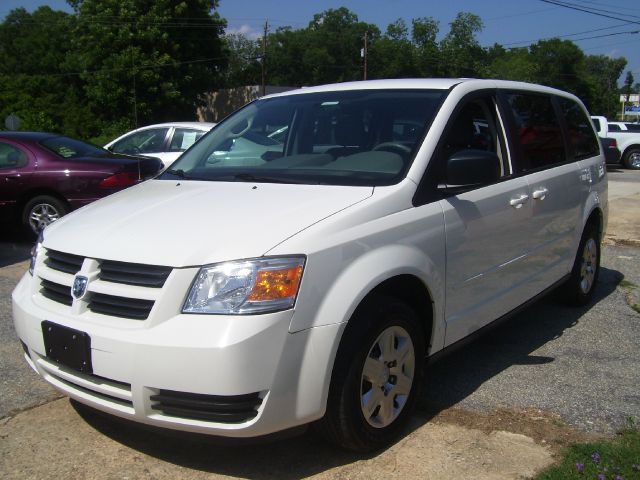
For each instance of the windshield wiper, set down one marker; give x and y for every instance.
(181, 173)
(248, 177)
(178, 173)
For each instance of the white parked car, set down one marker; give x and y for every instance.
(624, 127)
(311, 283)
(627, 139)
(166, 141)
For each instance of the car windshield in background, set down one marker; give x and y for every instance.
(70, 148)
(366, 137)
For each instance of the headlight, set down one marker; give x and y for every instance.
(246, 286)
(35, 250)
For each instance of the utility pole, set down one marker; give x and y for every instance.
(264, 57)
(135, 103)
(364, 53)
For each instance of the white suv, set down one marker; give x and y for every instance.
(309, 280)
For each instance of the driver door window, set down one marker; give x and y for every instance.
(476, 127)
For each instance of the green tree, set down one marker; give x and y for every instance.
(327, 50)
(602, 74)
(461, 53)
(34, 82)
(512, 64)
(426, 52)
(244, 57)
(627, 89)
(560, 63)
(390, 56)
(147, 61)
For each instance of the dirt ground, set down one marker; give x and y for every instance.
(452, 444)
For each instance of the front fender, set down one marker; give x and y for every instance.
(359, 277)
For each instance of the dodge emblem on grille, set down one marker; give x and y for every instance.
(79, 287)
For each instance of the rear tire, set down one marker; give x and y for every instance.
(580, 287)
(42, 210)
(632, 159)
(376, 378)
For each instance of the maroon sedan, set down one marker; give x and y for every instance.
(43, 176)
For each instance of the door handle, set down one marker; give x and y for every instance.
(519, 201)
(540, 193)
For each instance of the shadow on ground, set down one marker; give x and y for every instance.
(15, 245)
(448, 382)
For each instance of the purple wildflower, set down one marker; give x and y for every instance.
(579, 467)
(602, 476)
(619, 477)
(595, 456)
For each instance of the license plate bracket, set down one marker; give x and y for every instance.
(67, 346)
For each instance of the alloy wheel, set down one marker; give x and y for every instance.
(387, 377)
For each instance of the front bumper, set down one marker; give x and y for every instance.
(280, 378)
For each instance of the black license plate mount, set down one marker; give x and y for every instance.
(67, 346)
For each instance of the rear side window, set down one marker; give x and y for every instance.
(11, 157)
(538, 130)
(582, 139)
(183, 138)
(145, 141)
(614, 128)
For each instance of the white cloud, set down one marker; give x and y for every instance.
(246, 30)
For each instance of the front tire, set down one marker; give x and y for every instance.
(377, 376)
(632, 159)
(42, 210)
(580, 287)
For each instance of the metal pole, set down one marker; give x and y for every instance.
(264, 57)
(135, 103)
(366, 38)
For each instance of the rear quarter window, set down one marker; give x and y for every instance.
(582, 138)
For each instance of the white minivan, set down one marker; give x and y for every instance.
(308, 279)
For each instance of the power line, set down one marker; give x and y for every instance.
(584, 32)
(606, 35)
(580, 9)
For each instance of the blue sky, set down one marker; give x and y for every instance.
(508, 22)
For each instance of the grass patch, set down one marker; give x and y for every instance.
(617, 459)
(627, 284)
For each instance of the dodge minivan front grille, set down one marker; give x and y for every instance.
(133, 273)
(56, 292)
(64, 262)
(124, 304)
(211, 408)
(134, 308)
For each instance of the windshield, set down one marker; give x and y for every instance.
(365, 137)
(70, 148)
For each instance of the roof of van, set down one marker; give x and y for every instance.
(416, 83)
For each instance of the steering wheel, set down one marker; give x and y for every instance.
(393, 147)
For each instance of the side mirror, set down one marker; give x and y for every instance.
(468, 169)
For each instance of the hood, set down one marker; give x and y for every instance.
(190, 223)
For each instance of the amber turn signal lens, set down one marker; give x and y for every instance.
(276, 284)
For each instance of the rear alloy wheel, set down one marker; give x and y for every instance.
(376, 377)
(632, 159)
(41, 211)
(580, 287)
